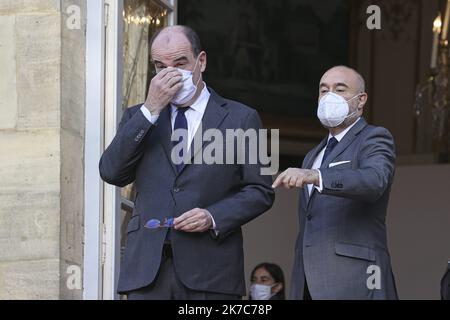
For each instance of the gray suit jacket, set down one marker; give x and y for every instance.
(234, 194)
(342, 237)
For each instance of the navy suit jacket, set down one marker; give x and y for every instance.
(234, 194)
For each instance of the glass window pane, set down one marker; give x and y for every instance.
(142, 18)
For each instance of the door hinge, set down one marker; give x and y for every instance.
(106, 14)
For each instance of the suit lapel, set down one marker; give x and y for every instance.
(164, 129)
(309, 161)
(340, 147)
(212, 118)
(345, 142)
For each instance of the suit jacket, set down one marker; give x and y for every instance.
(233, 194)
(342, 239)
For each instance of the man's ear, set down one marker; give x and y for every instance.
(203, 61)
(362, 100)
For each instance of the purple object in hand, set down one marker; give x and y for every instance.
(155, 223)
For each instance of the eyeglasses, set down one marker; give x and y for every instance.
(156, 224)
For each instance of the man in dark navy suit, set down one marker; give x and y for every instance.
(202, 256)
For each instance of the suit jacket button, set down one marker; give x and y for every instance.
(309, 217)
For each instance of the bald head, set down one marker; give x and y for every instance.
(345, 75)
(175, 35)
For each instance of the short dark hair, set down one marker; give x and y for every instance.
(190, 34)
(277, 274)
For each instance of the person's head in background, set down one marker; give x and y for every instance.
(267, 282)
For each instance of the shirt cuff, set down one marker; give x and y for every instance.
(148, 115)
(320, 186)
(214, 226)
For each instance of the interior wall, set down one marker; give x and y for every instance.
(393, 61)
(271, 237)
(418, 231)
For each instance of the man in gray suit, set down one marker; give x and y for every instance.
(201, 257)
(341, 250)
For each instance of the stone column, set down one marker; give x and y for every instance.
(42, 86)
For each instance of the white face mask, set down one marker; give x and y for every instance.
(261, 291)
(189, 89)
(333, 109)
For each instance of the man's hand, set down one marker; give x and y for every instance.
(195, 220)
(163, 88)
(297, 178)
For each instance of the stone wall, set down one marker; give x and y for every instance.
(41, 149)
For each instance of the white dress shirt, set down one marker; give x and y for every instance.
(318, 161)
(193, 116)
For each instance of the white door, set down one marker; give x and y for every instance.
(129, 26)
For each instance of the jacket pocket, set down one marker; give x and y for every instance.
(355, 251)
(347, 165)
(340, 164)
(133, 224)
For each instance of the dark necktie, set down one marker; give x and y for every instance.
(181, 123)
(330, 146)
